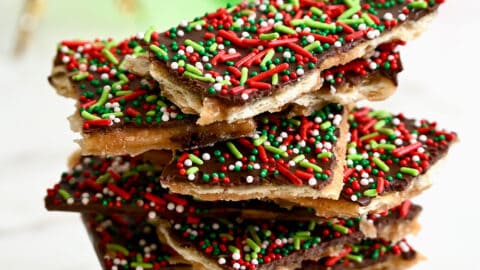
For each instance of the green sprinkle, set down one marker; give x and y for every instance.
(275, 76)
(380, 114)
(355, 157)
(116, 114)
(103, 98)
(110, 56)
(195, 23)
(260, 140)
(386, 146)
(118, 248)
(254, 235)
(303, 234)
(233, 249)
(386, 131)
(195, 159)
(276, 150)
(297, 22)
(141, 265)
(312, 46)
(148, 34)
(197, 47)
(311, 225)
(380, 124)
(320, 25)
(325, 125)
(369, 136)
(410, 171)
(89, 116)
(253, 245)
(158, 50)
(199, 78)
(233, 149)
(213, 47)
(384, 167)
(269, 36)
(296, 243)
(244, 76)
(103, 179)
(80, 76)
(284, 29)
(418, 5)
(340, 228)
(306, 164)
(354, 8)
(370, 192)
(353, 21)
(356, 258)
(267, 58)
(325, 155)
(193, 69)
(64, 194)
(192, 170)
(367, 19)
(298, 158)
(316, 11)
(123, 77)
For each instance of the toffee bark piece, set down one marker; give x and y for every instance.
(233, 243)
(245, 60)
(369, 254)
(389, 159)
(128, 242)
(288, 158)
(121, 113)
(129, 185)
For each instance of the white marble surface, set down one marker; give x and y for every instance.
(438, 83)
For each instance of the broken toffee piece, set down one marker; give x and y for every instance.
(389, 158)
(287, 158)
(129, 185)
(368, 254)
(233, 243)
(128, 242)
(121, 113)
(245, 60)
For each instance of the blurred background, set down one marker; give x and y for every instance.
(439, 83)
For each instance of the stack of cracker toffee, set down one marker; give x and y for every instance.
(232, 141)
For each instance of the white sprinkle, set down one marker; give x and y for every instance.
(65, 59)
(402, 17)
(180, 33)
(190, 49)
(249, 179)
(388, 16)
(354, 198)
(312, 181)
(187, 162)
(244, 96)
(184, 23)
(232, 51)
(222, 261)
(170, 206)
(191, 177)
(236, 256)
(310, 38)
(179, 208)
(287, 54)
(362, 27)
(337, 44)
(300, 71)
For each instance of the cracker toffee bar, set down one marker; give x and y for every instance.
(245, 60)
